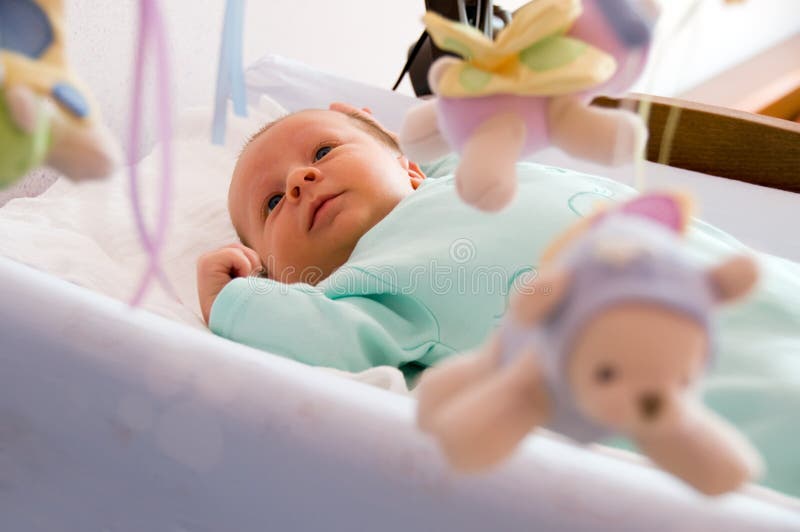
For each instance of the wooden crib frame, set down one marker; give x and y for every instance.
(723, 142)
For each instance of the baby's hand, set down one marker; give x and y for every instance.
(215, 269)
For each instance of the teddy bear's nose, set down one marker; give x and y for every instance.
(650, 405)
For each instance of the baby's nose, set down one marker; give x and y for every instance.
(301, 178)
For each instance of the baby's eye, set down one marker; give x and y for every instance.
(273, 201)
(322, 152)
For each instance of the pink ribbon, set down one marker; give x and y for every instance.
(152, 33)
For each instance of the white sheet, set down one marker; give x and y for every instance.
(85, 233)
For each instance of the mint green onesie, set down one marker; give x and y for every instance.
(433, 278)
(429, 280)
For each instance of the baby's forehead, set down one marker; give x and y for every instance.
(307, 121)
(278, 137)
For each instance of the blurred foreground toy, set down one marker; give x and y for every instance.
(530, 88)
(610, 338)
(46, 115)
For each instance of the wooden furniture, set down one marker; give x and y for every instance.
(741, 124)
(719, 141)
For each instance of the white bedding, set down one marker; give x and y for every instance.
(85, 233)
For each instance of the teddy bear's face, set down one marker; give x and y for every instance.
(632, 365)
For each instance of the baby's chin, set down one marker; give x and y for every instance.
(333, 245)
(342, 233)
(312, 270)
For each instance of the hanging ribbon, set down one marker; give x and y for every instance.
(230, 74)
(151, 34)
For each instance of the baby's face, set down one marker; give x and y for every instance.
(305, 190)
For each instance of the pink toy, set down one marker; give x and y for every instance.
(498, 106)
(610, 338)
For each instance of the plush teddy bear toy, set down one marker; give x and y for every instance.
(610, 338)
(46, 115)
(531, 88)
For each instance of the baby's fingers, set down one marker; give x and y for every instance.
(346, 108)
(252, 256)
(238, 263)
(223, 264)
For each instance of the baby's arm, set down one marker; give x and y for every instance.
(303, 322)
(217, 268)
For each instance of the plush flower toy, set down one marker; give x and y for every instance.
(610, 339)
(530, 88)
(46, 115)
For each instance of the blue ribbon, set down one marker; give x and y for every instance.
(230, 75)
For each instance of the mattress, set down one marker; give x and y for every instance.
(113, 418)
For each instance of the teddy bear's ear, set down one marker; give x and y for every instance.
(733, 279)
(536, 298)
(670, 209)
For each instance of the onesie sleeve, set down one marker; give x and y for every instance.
(299, 321)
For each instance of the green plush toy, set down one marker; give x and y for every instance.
(47, 116)
(22, 150)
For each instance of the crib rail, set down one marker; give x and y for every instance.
(723, 142)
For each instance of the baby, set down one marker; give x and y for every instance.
(365, 261)
(304, 191)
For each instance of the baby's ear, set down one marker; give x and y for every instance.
(415, 173)
(733, 279)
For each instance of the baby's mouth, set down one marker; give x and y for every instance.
(317, 205)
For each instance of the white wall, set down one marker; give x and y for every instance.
(714, 38)
(367, 40)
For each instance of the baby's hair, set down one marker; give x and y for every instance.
(370, 126)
